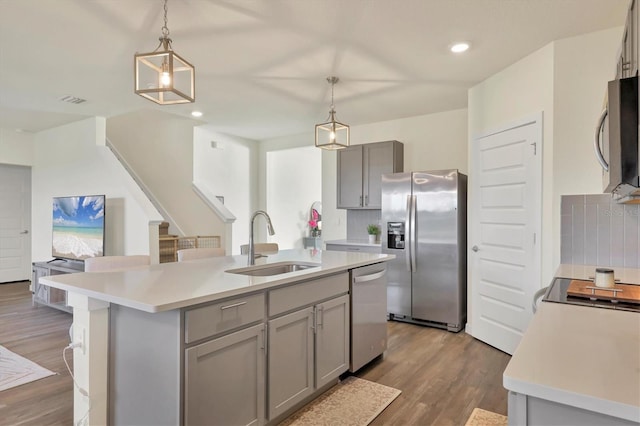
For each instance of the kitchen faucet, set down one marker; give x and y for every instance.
(252, 255)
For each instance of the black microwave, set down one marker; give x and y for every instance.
(616, 141)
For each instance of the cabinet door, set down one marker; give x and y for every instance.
(378, 159)
(350, 177)
(635, 16)
(290, 360)
(332, 339)
(225, 380)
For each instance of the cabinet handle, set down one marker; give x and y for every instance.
(313, 320)
(353, 249)
(321, 310)
(596, 141)
(360, 203)
(235, 305)
(264, 338)
(366, 200)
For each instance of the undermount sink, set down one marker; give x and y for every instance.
(273, 269)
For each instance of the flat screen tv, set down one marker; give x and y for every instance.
(78, 227)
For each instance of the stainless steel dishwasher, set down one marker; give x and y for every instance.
(368, 314)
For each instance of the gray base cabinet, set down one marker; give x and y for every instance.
(308, 349)
(332, 340)
(528, 410)
(290, 360)
(236, 364)
(231, 362)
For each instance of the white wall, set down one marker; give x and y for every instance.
(230, 169)
(566, 80)
(294, 182)
(433, 141)
(72, 160)
(523, 89)
(159, 148)
(16, 148)
(583, 65)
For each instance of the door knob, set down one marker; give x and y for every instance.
(475, 248)
(25, 232)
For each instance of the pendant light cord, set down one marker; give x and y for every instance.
(165, 29)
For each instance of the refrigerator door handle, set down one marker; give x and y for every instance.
(407, 230)
(413, 233)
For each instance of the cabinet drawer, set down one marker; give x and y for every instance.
(307, 293)
(222, 316)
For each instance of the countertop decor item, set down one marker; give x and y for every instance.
(314, 223)
(332, 134)
(163, 76)
(373, 230)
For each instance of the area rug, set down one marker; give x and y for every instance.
(480, 417)
(352, 402)
(16, 370)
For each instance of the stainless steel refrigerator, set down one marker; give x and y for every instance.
(424, 223)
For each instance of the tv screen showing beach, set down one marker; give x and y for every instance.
(78, 227)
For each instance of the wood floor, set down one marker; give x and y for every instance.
(38, 334)
(443, 376)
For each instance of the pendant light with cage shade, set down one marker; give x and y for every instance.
(163, 76)
(333, 134)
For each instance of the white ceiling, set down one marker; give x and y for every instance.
(261, 65)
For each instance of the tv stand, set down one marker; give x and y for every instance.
(53, 297)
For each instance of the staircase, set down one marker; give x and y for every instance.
(170, 244)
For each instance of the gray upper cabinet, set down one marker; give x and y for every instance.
(360, 168)
(628, 61)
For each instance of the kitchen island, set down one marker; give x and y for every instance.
(577, 364)
(193, 343)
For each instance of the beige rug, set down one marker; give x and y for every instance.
(16, 370)
(480, 417)
(354, 402)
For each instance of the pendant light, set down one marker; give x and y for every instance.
(163, 76)
(332, 134)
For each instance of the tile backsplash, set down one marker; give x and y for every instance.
(357, 221)
(595, 230)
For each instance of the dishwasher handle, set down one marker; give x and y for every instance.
(369, 277)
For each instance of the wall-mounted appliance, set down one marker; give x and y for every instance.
(616, 141)
(78, 227)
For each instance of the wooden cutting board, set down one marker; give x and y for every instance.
(629, 293)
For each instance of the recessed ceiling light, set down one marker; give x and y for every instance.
(196, 113)
(459, 47)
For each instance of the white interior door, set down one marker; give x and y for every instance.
(15, 222)
(504, 225)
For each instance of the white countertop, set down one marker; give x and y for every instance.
(581, 356)
(353, 243)
(175, 285)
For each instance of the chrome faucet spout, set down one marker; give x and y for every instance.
(252, 254)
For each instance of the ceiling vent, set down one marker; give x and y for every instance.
(72, 99)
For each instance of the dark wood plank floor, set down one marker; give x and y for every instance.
(38, 334)
(443, 376)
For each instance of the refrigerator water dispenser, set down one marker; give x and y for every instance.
(395, 235)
